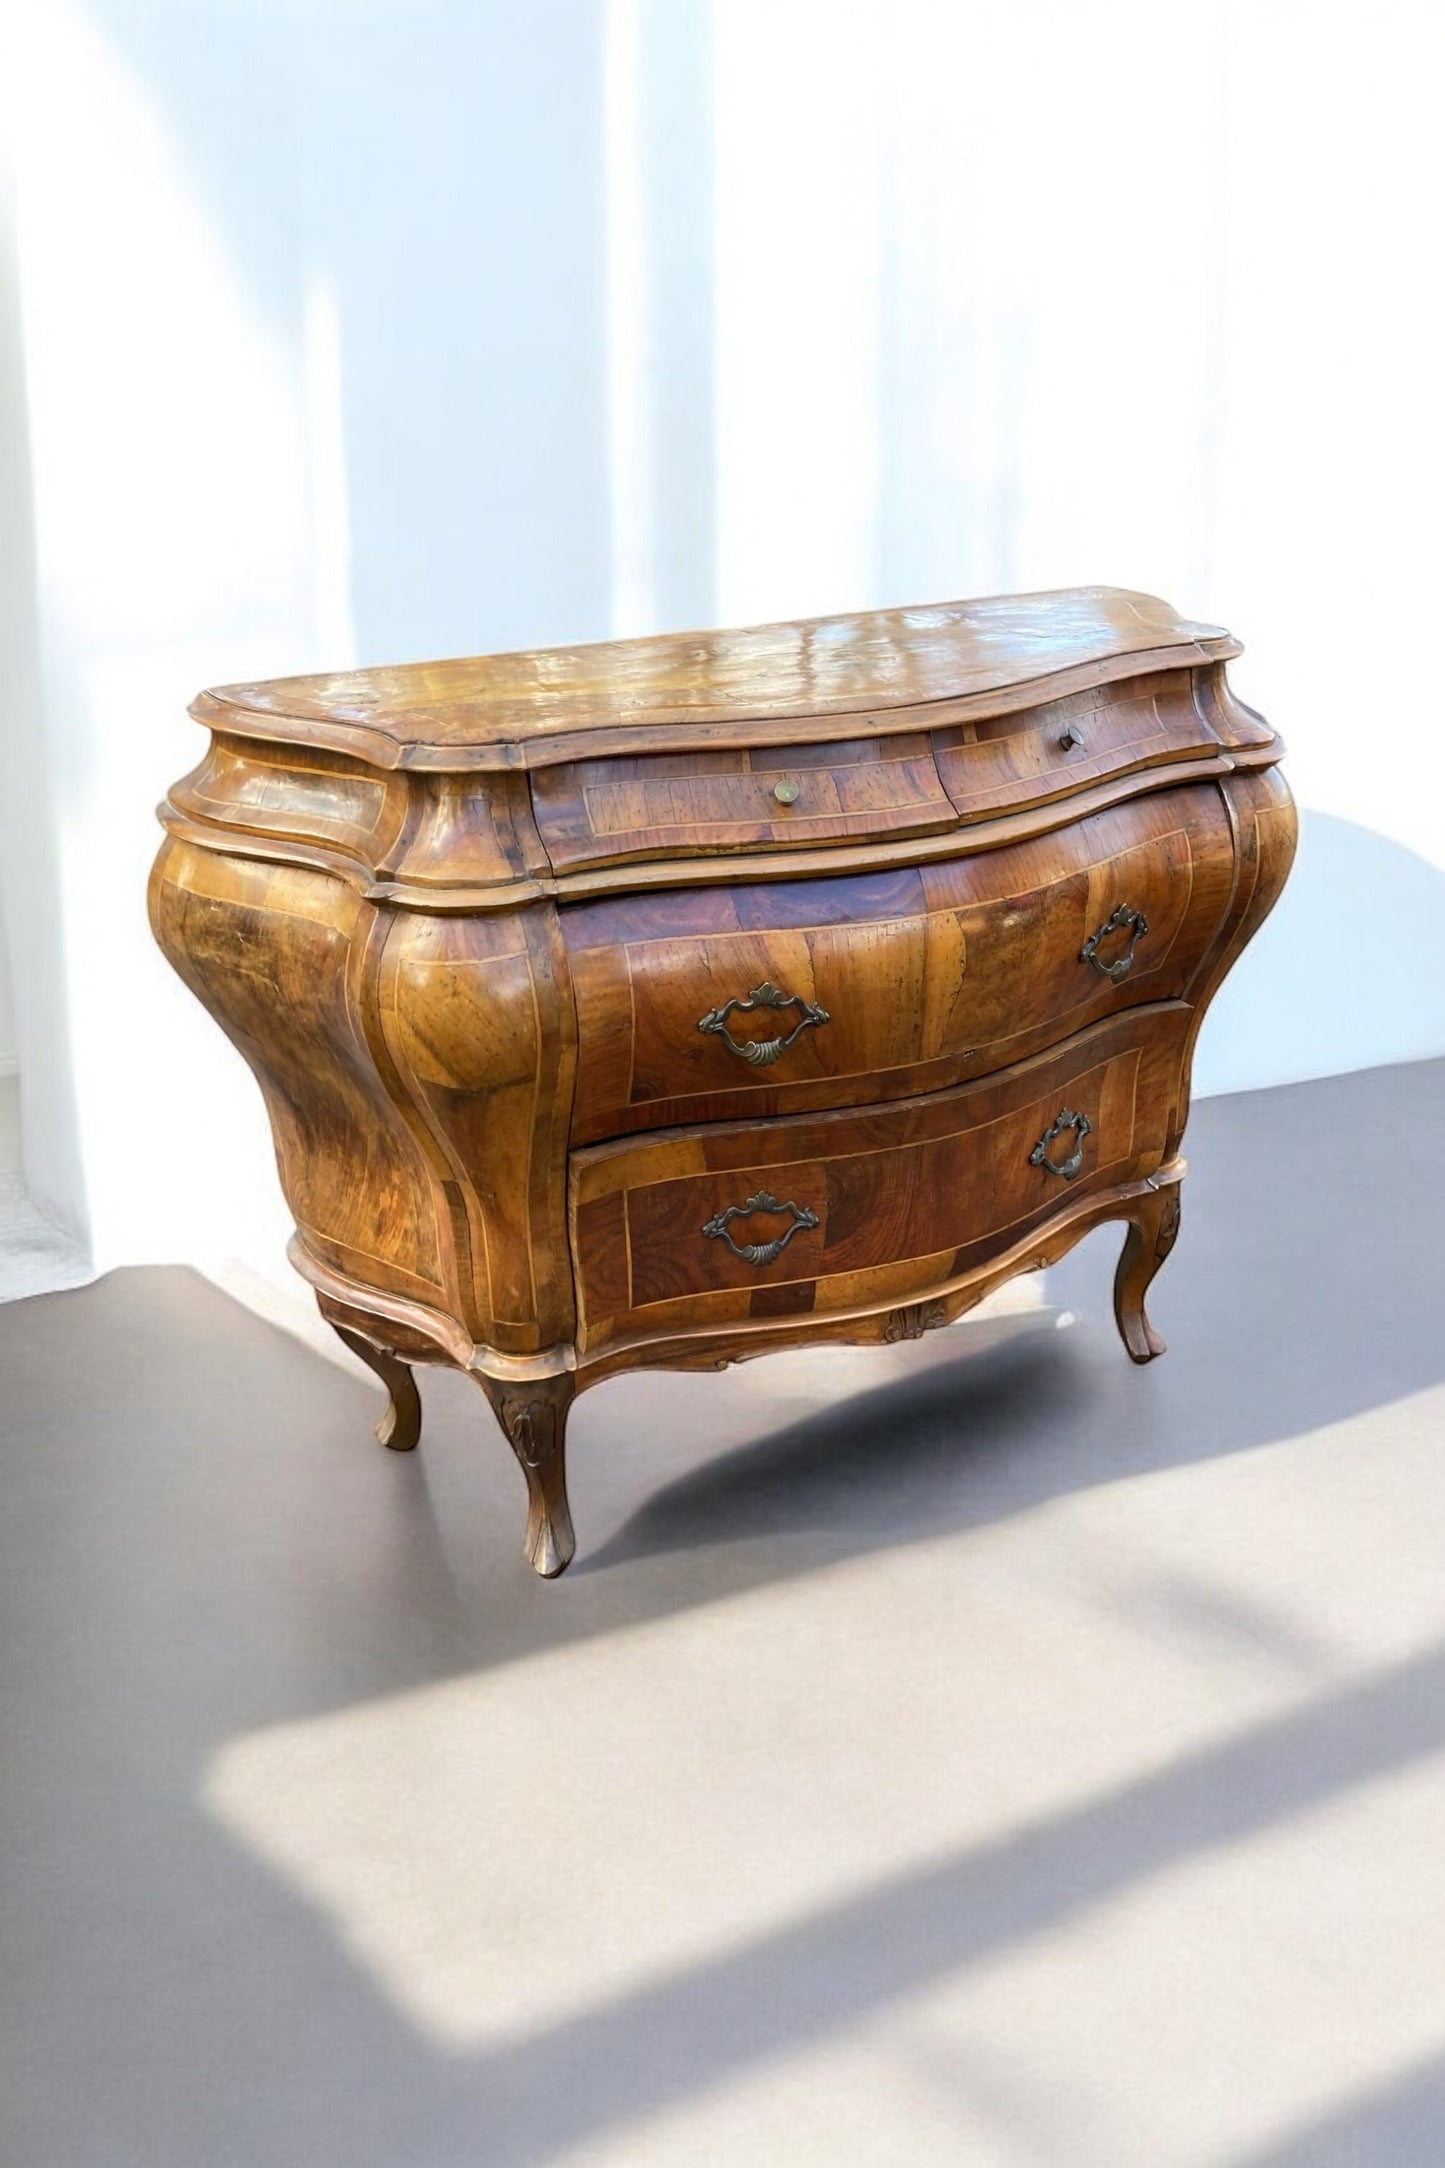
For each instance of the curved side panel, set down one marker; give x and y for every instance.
(466, 830)
(271, 952)
(1226, 713)
(1266, 829)
(478, 1019)
(429, 831)
(284, 793)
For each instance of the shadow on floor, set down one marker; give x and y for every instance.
(1306, 1286)
(1397, 2125)
(199, 1538)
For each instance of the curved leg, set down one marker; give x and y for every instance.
(533, 1413)
(1153, 1225)
(400, 1426)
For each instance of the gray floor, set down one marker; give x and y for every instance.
(979, 1751)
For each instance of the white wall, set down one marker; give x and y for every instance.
(1011, 297)
(9, 1057)
(399, 327)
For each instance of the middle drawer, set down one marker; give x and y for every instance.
(783, 996)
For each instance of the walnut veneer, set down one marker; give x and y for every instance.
(667, 1001)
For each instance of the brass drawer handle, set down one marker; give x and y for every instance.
(759, 1253)
(1065, 1168)
(1138, 925)
(762, 1052)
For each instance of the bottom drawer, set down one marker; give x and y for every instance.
(816, 1213)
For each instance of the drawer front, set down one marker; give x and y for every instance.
(821, 1213)
(595, 812)
(1007, 762)
(725, 1003)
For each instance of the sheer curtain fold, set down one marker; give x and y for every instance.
(429, 328)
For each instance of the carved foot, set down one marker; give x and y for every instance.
(1153, 1225)
(400, 1426)
(533, 1413)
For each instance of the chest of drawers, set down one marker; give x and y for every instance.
(668, 1001)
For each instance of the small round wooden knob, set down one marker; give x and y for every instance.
(786, 791)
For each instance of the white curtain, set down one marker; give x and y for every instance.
(351, 332)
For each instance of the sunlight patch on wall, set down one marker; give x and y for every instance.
(326, 441)
(631, 475)
(962, 342)
(190, 526)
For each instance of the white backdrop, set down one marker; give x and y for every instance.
(335, 332)
(9, 1057)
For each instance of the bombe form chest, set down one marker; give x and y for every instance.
(667, 1001)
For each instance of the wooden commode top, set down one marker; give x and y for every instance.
(546, 704)
(665, 1001)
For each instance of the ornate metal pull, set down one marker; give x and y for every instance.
(762, 1052)
(1124, 915)
(759, 1253)
(1066, 1168)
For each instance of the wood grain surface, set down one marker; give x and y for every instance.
(899, 1196)
(665, 805)
(1006, 761)
(669, 1001)
(927, 974)
(875, 663)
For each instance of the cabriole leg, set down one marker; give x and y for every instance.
(400, 1426)
(533, 1413)
(1153, 1225)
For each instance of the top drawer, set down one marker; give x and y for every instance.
(1006, 762)
(658, 805)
